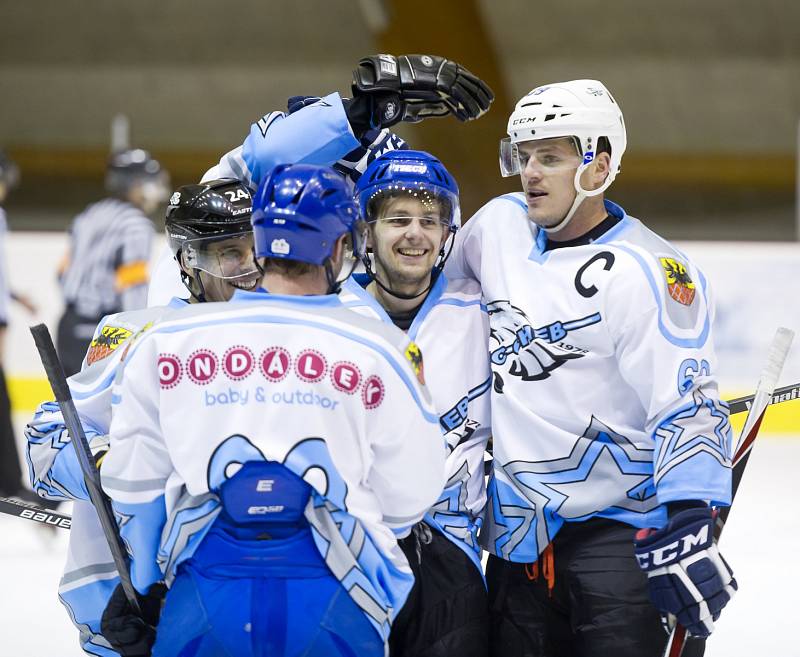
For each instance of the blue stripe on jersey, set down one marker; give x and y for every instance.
(515, 197)
(686, 343)
(430, 302)
(105, 383)
(392, 359)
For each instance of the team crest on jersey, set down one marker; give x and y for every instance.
(679, 283)
(529, 353)
(414, 356)
(106, 342)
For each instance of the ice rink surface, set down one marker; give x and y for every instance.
(761, 540)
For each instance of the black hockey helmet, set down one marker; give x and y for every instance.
(9, 172)
(136, 166)
(200, 215)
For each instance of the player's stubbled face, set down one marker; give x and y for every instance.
(547, 169)
(405, 241)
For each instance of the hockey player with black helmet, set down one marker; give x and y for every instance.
(105, 269)
(209, 226)
(209, 233)
(610, 440)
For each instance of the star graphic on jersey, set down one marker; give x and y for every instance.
(600, 459)
(702, 426)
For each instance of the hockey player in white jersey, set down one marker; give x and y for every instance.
(209, 233)
(606, 416)
(263, 451)
(411, 204)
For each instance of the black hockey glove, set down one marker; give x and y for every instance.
(388, 89)
(129, 634)
(688, 577)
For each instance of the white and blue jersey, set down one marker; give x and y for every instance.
(89, 574)
(451, 330)
(300, 381)
(604, 399)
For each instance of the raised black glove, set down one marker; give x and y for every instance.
(129, 634)
(414, 87)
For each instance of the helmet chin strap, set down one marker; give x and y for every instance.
(580, 195)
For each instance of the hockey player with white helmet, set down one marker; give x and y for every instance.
(610, 441)
(411, 205)
(264, 451)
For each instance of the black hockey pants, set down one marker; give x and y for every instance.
(446, 614)
(598, 606)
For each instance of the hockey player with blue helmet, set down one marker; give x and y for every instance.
(411, 205)
(265, 451)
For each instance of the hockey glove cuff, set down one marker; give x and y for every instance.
(414, 87)
(687, 576)
(129, 634)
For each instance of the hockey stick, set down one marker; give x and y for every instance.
(787, 393)
(759, 402)
(21, 509)
(58, 382)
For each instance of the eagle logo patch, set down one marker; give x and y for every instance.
(679, 283)
(106, 342)
(414, 356)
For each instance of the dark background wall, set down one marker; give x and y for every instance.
(710, 91)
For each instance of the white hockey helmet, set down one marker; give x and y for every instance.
(583, 109)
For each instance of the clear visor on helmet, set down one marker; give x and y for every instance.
(400, 204)
(553, 154)
(228, 256)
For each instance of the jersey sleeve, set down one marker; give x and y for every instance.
(317, 134)
(53, 466)
(408, 470)
(666, 354)
(136, 469)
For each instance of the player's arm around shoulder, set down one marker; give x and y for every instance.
(135, 470)
(408, 448)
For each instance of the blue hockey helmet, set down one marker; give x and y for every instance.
(299, 213)
(407, 172)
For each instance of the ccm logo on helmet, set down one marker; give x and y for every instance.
(665, 554)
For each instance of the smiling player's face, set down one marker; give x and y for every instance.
(406, 240)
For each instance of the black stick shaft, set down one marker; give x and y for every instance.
(58, 382)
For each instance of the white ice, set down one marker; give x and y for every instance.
(761, 540)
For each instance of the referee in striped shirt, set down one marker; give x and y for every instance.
(105, 270)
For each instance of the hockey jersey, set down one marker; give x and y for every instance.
(451, 330)
(90, 575)
(604, 401)
(301, 381)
